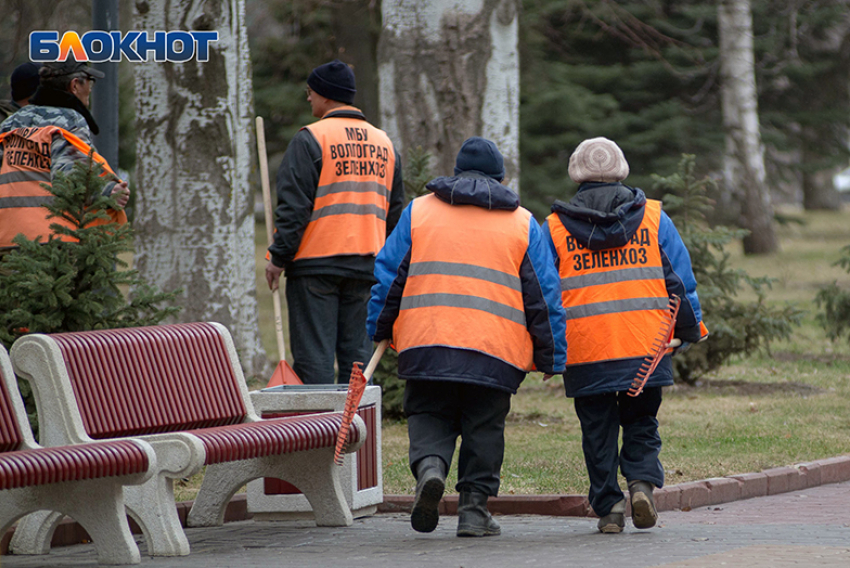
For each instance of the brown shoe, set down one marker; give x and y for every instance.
(614, 521)
(644, 514)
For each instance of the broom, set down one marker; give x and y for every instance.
(660, 346)
(356, 385)
(283, 373)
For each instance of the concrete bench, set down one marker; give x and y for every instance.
(179, 387)
(85, 481)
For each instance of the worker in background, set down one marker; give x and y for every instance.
(339, 194)
(47, 136)
(24, 82)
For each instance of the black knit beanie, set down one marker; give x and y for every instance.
(334, 80)
(24, 81)
(480, 155)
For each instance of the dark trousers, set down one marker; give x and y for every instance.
(440, 411)
(327, 319)
(601, 418)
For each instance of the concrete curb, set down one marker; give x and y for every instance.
(682, 497)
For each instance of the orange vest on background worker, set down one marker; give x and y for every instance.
(615, 299)
(24, 172)
(459, 293)
(353, 196)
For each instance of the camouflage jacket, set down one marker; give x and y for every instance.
(8, 108)
(62, 153)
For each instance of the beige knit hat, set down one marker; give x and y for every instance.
(598, 159)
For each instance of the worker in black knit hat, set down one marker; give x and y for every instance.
(339, 194)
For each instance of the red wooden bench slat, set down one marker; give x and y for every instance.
(139, 381)
(271, 437)
(10, 433)
(42, 466)
(145, 370)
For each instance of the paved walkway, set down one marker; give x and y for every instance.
(803, 528)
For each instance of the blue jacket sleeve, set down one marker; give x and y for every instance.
(391, 266)
(679, 276)
(541, 292)
(547, 236)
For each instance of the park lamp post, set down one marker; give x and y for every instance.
(105, 94)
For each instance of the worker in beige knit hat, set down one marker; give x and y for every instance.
(620, 260)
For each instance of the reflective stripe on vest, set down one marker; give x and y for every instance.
(615, 299)
(464, 291)
(353, 197)
(26, 166)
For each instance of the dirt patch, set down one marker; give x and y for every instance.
(746, 388)
(827, 359)
(539, 418)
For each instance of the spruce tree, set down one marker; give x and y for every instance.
(835, 303)
(50, 285)
(736, 328)
(53, 285)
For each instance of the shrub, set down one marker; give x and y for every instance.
(835, 303)
(735, 327)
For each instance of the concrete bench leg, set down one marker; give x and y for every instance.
(313, 472)
(97, 507)
(34, 533)
(152, 506)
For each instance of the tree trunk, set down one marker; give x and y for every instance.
(819, 192)
(194, 218)
(744, 171)
(449, 70)
(356, 32)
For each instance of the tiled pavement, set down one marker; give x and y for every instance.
(809, 527)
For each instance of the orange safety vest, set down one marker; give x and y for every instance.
(353, 198)
(25, 169)
(465, 291)
(616, 298)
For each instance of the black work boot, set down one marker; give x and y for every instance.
(473, 518)
(615, 520)
(644, 514)
(430, 484)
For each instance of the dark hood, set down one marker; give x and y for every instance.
(45, 96)
(474, 188)
(602, 215)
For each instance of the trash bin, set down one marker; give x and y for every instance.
(273, 499)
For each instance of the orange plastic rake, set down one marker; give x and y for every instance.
(356, 385)
(659, 347)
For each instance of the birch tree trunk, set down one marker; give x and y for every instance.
(448, 70)
(194, 219)
(744, 170)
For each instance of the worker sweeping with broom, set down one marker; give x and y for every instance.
(468, 293)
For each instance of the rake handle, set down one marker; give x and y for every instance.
(267, 208)
(376, 357)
